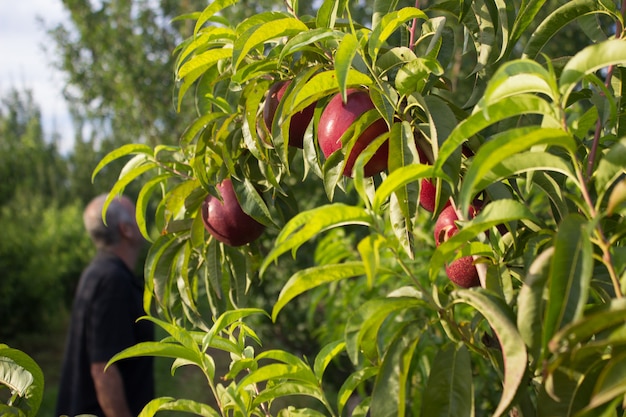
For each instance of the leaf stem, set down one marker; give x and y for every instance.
(596, 136)
(413, 28)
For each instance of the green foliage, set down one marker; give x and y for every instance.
(531, 138)
(43, 247)
(22, 377)
(43, 251)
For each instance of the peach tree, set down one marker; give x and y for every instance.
(342, 143)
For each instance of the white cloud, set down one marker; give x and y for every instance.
(25, 65)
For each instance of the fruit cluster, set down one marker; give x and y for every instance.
(225, 220)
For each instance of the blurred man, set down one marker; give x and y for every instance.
(107, 303)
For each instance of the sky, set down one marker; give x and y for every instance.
(25, 65)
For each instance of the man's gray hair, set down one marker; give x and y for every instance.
(105, 235)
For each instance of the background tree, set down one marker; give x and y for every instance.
(43, 246)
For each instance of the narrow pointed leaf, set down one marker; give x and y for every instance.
(492, 114)
(125, 150)
(308, 224)
(310, 278)
(389, 23)
(449, 390)
(258, 35)
(505, 145)
(389, 394)
(558, 19)
(589, 60)
(501, 320)
(570, 275)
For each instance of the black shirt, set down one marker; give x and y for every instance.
(108, 301)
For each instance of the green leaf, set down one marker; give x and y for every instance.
(324, 84)
(493, 153)
(597, 322)
(202, 62)
(23, 377)
(325, 356)
(389, 395)
(502, 321)
(526, 15)
(278, 371)
(570, 275)
(562, 16)
(617, 197)
(351, 383)
(125, 150)
(530, 303)
(611, 382)
(610, 167)
(143, 200)
(449, 390)
(306, 225)
(343, 61)
(302, 41)
(213, 8)
(369, 249)
(589, 60)
(519, 77)
(265, 32)
(361, 332)
(310, 278)
(226, 319)
(289, 388)
(389, 23)
(398, 179)
(159, 349)
(329, 11)
(506, 108)
(171, 404)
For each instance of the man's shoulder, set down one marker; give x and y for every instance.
(106, 270)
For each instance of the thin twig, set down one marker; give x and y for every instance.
(413, 27)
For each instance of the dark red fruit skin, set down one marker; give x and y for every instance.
(299, 121)
(338, 116)
(226, 221)
(428, 194)
(461, 271)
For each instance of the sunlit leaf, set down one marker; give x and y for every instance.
(325, 356)
(389, 23)
(24, 379)
(361, 333)
(351, 383)
(213, 8)
(503, 109)
(310, 278)
(265, 32)
(329, 11)
(508, 144)
(308, 224)
(589, 60)
(325, 83)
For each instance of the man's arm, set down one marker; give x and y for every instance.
(110, 390)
